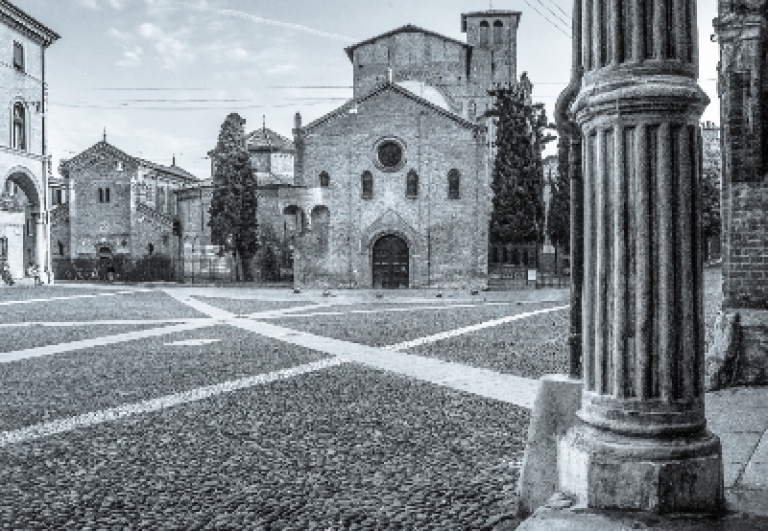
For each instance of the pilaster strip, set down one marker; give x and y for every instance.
(620, 269)
(643, 293)
(665, 286)
(616, 27)
(686, 258)
(589, 262)
(586, 43)
(601, 278)
(637, 25)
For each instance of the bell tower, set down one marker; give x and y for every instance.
(493, 37)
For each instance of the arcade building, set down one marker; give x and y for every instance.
(24, 159)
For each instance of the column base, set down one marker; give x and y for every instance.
(603, 470)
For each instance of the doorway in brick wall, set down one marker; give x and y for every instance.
(390, 263)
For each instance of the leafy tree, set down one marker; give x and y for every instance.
(233, 205)
(518, 172)
(559, 220)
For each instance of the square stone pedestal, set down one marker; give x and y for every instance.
(601, 470)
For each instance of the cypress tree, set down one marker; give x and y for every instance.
(518, 172)
(559, 219)
(234, 203)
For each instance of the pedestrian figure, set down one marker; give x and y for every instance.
(34, 271)
(110, 272)
(6, 273)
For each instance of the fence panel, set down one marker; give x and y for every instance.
(161, 268)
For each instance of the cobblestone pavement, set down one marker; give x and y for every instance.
(208, 409)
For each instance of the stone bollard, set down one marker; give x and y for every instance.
(554, 412)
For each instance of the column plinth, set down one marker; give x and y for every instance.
(642, 443)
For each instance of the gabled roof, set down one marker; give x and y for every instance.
(387, 86)
(408, 28)
(265, 139)
(104, 146)
(15, 17)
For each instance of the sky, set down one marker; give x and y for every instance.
(162, 75)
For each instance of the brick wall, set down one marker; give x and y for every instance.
(745, 266)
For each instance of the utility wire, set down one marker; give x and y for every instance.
(560, 8)
(556, 15)
(547, 19)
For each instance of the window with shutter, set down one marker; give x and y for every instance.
(18, 56)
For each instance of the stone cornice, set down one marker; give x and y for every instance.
(24, 154)
(17, 19)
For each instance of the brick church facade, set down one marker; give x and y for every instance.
(112, 204)
(392, 189)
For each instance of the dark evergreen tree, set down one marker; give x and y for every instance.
(710, 202)
(559, 219)
(233, 205)
(518, 172)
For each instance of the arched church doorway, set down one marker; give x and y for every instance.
(390, 263)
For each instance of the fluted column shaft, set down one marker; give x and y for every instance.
(643, 443)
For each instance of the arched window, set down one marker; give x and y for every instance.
(101, 195)
(454, 180)
(19, 127)
(412, 185)
(325, 180)
(498, 32)
(321, 224)
(106, 195)
(484, 33)
(150, 248)
(3, 248)
(61, 249)
(367, 185)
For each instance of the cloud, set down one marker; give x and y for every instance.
(131, 57)
(120, 35)
(281, 69)
(97, 4)
(260, 20)
(172, 48)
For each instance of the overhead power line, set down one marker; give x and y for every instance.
(556, 15)
(560, 8)
(548, 19)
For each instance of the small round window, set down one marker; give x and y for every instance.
(390, 154)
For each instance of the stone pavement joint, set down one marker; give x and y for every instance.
(483, 382)
(469, 329)
(112, 294)
(38, 431)
(60, 348)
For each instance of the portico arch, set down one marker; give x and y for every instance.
(23, 221)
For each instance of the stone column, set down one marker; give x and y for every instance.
(643, 442)
(41, 244)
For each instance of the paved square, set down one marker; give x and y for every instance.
(211, 408)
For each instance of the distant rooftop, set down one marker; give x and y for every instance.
(266, 139)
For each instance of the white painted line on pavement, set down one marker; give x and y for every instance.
(192, 342)
(483, 382)
(284, 312)
(115, 322)
(86, 420)
(389, 310)
(469, 329)
(200, 306)
(31, 301)
(49, 350)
